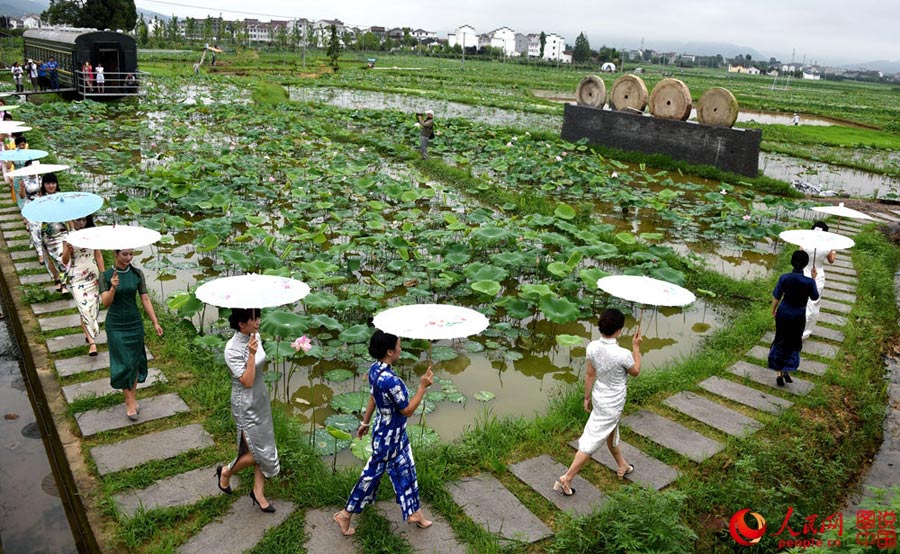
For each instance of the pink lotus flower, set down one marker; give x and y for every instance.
(302, 343)
(152, 145)
(271, 179)
(746, 218)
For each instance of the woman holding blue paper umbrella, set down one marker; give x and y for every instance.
(52, 236)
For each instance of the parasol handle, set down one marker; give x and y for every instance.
(815, 251)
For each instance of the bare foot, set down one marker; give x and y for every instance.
(344, 522)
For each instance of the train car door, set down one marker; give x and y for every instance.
(110, 55)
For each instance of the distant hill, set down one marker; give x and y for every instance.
(884, 66)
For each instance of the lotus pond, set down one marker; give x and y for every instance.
(512, 222)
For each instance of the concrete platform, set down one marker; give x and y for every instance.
(65, 321)
(54, 306)
(838, 307)
(648, 471)
(672, 435)
(160, 445)
(541, 472)
(489, 504)
(745, 395)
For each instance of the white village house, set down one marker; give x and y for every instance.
(503, 38)
(465, 36)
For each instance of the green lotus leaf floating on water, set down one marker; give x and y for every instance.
(325, 444)
(427, 405)
(488, 288)
(455, 397)
(569, 340)
(345, 422)
(443, 353)
(339, 375)
(473, 346)
(564, 211)
(484, 396)
(420, 436)
(350, 402)
(559, 310)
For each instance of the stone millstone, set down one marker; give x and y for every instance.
(489, 504)
(629, 94)
(717, 107)
(671, 99)
(591, 92)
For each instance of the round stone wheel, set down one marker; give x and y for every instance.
(591, 92)
(671, 99)
(717, 107)
(629, 93)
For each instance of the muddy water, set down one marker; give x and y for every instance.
(840, 179)
(348, 98)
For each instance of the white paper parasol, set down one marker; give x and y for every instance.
(7, 124)
(62, 206)
(113, 237)
(646, 290)
(16, 129)
(9, 107)
(816, 239)
(252, 291)
(431, 321)
(36, 169)
(841, 211)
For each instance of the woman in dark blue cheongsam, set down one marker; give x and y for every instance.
(789, 300)
(391, 451)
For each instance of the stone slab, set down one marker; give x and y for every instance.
(745, 395)
(838, 296)
(160, 445)
(489, 504)
(713, 414)
(92, 422)
(841, 262)
(242, 526)
(884, 216)
(766, 377)
(65, 342)
(85, 363)
(16, 243)
(673, 436)
(65, 321)
(840, 278)
(837, 270)
(35, 279)
(838, 307)
(10, 209)
(101, 387)
(759, 352)
(11, 224)
(23, 255)
(832, 319)
(322, 534)
(832, 285)
(10, 216)
(22, 267)
(648, 471)
(540, 474)
(55, 306)
(183, 489)
(818, 348)
(822, 332)
(437, 539)
(17, 233)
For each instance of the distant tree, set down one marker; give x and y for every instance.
(543, 40)
(207, 30)
(63, 12)
(388, 43)
(296, 35)
(334, 47)
(4, 22)
(172, 29)
(109, 14)
(368, 41)
(582, 50)
(190, 29)
(281, 37)
(143, 33)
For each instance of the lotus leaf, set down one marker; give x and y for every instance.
(559, 269)
(279, 323)
(420, 436)
(213, 342)
(350, 402)
(490, 235)
(488, 288)
(320, 299)
(355, 334)
(569, 340)
(208, 243)
(515, 307)
(426, 405)
(339, 434)
(362, 448)
(705, 292)
(455, 397)
(626, 238)
(326, 445)
(443, 353)
(512, 355)
(669, 274)
(559, 310)
(344, 422)
(564, 211)
(487, 273)
(473, 346)
(326, 321)
(590, 277)
(435, 396)
(651, 236)
(338, 375)
(514, 258)
(484, 396)
(532, 291)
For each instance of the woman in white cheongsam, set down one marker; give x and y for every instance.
(608, 366)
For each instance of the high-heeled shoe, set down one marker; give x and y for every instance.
(270, 509)
(226, 490)
(563, 488)
(420, 523)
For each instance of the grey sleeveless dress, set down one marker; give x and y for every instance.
(250, 406)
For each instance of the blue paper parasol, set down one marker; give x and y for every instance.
(62, 206)
(20, 156)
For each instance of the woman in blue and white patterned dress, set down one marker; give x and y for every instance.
(605, 387)
(391, 451)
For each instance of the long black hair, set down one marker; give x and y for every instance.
(380, 343)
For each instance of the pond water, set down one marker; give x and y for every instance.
(853, 182)
(369, 100)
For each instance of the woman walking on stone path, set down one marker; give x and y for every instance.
(29, 189)
(52, 236)
(250, 408)
(819, 258)
(125, 327)
(85, 266)
(391, 450)
(605, 388)
(789, 300)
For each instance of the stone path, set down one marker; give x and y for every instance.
(65, 342)
(85, 364)
(101, 387)
(322, 533)
(183, 489)
(437, 539)
(489, 504)
(239, 529)
(673, 436)
(713, 414)
(745, 395)
(160, 445)
(648, 471)
(92, 422)
(541, 472)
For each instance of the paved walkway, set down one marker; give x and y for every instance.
(689, 425)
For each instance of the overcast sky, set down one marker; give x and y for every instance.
(827, 31)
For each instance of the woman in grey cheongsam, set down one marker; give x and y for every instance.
(250, 408)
